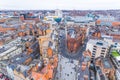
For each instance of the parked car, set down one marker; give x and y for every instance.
(6, 78)
(1, 75)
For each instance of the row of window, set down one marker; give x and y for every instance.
(96, 47)
(103, 50)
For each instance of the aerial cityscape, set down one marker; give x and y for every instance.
(59, 44)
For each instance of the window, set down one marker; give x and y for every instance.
(102, 56)
(94, 48)
(102, 53)
(103, 50)
(116, 43)
(94, 51)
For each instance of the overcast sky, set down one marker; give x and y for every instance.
(60, 4)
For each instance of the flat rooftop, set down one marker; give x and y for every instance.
(114, 32)
(99, 43)
(106, 63)
(115, 53)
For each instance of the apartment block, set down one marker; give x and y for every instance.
(98, 48)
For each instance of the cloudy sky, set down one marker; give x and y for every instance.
(60, 4)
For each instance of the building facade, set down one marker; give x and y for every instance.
(98, 48)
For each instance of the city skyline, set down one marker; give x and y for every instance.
(75, 44)
(59, 4)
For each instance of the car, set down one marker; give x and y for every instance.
(6, 78)
(1, 75)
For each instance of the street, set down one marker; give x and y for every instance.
(69, 66)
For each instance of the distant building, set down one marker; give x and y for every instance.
(105, 20)
(83, 19)
(115, 34)
(80, 20)
(28, 16)
(98, 48)
(58, 13)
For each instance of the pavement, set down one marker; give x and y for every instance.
(66, 69)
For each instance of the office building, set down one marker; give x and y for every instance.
(98, 48)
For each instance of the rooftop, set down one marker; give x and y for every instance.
(23, 69)
(107, 37)
(115, 53)
(106, 63)
(10, 45)
(118, 58)
(114, 32)
(99, 43)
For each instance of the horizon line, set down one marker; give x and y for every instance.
(58, 9)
